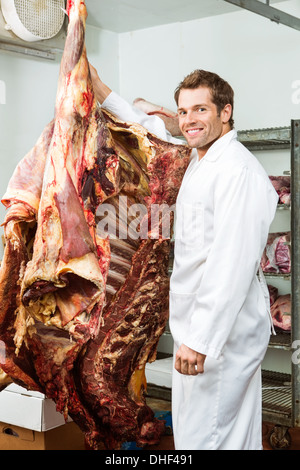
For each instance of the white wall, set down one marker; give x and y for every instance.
(260, 59)
(30, 86)
(103, 52)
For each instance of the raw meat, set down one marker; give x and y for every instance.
(273, 292)
(280, 309)
(169, 117)
(83, 308)
(282, 185)
(281, 312)
(277, 254)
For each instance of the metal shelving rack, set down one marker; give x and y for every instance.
(281, 392)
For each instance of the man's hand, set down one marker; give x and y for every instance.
(188, 361)
(100, 89)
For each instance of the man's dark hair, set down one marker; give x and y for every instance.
(221, 92)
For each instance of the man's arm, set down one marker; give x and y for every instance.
(101, 90)
(126, 112)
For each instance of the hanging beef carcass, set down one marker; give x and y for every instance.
(82, 307)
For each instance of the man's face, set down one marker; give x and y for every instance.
(199, 120)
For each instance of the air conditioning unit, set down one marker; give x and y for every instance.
(33, 27)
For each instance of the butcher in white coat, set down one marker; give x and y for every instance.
(219, 304)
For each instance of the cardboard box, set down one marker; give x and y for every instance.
(66, 437)
(23, 391)
(29, 410)
(159, 372)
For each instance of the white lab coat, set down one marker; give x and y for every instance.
(218, 305)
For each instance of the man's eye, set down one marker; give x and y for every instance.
(200, 110)
(181, 113)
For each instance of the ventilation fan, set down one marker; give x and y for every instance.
(34, 20)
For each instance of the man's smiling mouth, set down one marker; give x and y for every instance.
(194, 131)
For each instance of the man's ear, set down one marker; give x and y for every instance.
(226, 113)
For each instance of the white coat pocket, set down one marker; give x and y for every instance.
(189, 230)
(181, 309)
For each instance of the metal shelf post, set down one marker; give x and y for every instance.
(295, 249)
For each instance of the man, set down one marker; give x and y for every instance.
(219, 305)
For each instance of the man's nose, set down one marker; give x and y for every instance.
(190, 117)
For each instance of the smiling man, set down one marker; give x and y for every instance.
(219, 302)
(205, 109)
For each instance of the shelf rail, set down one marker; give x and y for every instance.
(264, 9)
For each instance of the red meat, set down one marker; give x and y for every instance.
(281, 312)
(277, 254)
(282, 185)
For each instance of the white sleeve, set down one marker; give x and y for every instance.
(245, 206)
(128, 113)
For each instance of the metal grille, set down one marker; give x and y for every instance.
(277, 394)
(42, 18)
(282, 340)
(266, 139)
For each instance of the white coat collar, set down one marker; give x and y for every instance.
(219, 146)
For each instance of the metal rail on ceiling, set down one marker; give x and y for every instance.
(264, 9)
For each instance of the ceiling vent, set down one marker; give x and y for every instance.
(38, 24)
